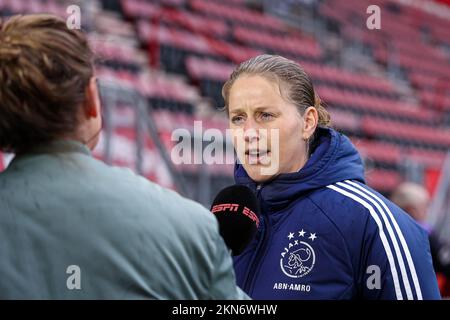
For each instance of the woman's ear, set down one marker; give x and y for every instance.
(92, 102)
(310, 121)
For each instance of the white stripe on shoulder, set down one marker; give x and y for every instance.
(400, 235)
(391, 234)
(383, 238)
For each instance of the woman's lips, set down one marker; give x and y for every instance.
(257, 157)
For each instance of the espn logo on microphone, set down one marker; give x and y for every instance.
(225, 207)
(234, 207)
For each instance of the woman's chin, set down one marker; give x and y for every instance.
(257, 173)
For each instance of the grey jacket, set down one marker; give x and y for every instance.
(72, 227)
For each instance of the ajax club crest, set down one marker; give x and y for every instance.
(298, 257)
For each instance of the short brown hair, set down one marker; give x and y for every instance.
(45, 68)
(298, 85)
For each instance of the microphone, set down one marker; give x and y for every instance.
(237, 210)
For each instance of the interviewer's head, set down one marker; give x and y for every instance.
(47, 87)
(272, 93)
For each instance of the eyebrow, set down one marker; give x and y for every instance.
(240, 110)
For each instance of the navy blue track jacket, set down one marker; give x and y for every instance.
(324, 234)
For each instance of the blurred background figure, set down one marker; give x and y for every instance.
(415, 200)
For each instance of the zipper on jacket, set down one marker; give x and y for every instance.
(260, 248)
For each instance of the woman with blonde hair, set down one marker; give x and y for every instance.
(324, 234)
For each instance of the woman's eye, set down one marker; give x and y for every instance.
(266, 116)
(237, 119)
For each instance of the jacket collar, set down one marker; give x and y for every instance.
(54, 147)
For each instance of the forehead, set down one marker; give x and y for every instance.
(254, 91)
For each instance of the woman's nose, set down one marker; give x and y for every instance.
(250, 134)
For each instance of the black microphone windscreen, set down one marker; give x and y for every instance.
(237, 211)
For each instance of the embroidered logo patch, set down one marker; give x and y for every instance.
(298, 257)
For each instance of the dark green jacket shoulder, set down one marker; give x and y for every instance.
(126, 238)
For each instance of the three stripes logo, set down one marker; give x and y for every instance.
(394, 243)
